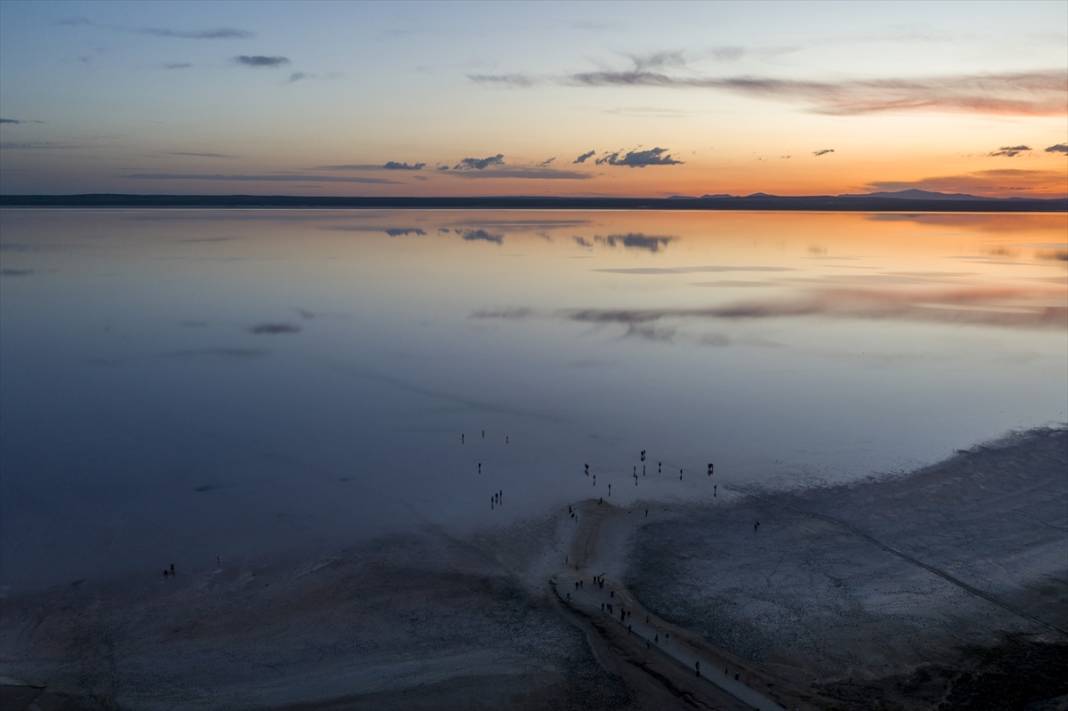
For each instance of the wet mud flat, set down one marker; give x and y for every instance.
(420, 622)
(946, 587)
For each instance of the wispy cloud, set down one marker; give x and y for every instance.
(208, 34)
(657, 60)
(1000, 307)
(16, 122)
(198, 154)
(585, 157)
(36, 146)
(260, 178)
(1058, 148)
(709, 269)
(519, 81)
(1033, 93)
(211, 33)
(1010, 151)
(388, 165)
(985, 306)
(273, 329)
(260, 60)
(639, 158)
(547, 162)
(177, 65)
(822, 152)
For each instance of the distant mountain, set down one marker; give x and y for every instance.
(916, 195)
(900, 201)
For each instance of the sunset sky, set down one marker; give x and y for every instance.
(507, 98)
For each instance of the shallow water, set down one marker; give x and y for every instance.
(181, 384)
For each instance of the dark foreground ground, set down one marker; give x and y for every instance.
(946, 588)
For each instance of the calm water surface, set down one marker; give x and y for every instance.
(176, 385)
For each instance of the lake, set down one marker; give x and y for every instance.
(186, 384)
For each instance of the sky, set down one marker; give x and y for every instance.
(585, 99)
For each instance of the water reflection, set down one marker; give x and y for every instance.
(192, 383)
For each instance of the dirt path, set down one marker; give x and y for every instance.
(647, 649)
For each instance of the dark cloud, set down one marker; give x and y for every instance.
(388, 165)
(585, 157)
(390, 231)
(639, 158)
(15, 272)
(198, 154)
(480, 163)
(274, 329)
(530, 173)
(635, 240)
(1058, 148)
(16, 122)
(822, 152)
(260, 60)
(298, 76)
(481, 236)
(216, 33)
(260, 178)
(177, 65)
(513, 80)
(1010, 151)
(398, 165)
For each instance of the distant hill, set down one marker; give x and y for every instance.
(900, 201)
(917, 195)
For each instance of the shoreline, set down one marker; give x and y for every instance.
(798, 203)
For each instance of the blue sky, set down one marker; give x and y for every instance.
(97, 92)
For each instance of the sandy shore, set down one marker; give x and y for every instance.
(944, 586)
(899, 589)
